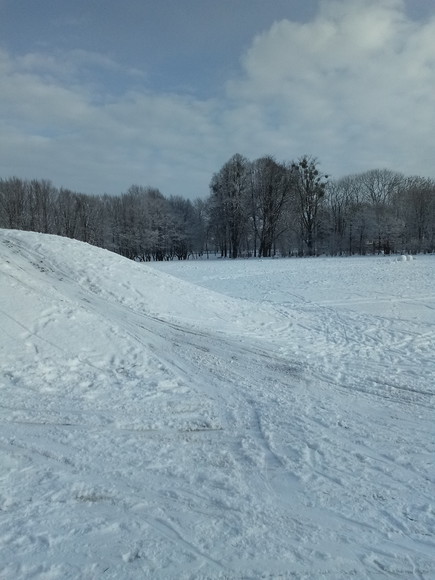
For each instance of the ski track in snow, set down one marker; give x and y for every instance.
(214, 419)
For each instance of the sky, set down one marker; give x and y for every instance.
(100, 95)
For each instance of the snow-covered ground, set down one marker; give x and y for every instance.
(214, 419)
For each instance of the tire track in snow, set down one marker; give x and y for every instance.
(211, 353)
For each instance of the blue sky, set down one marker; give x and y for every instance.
(100, 95)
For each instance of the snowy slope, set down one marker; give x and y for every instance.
(249, 419)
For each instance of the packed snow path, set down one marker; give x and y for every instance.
(258, 419)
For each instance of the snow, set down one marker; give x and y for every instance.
(214, 419)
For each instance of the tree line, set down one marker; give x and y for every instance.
(255, 208)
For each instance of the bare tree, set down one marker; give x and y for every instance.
(378, 189)
(270, 191)
(41, 199)
(230, 187)
(309, 185)
(339, 201)
(65, 214)
(415, 203)
(14, 203)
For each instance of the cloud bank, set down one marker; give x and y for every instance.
(354, 87)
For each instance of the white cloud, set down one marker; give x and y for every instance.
(354, 87)
(59, 127)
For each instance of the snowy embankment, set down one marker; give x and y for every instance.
(258, 419)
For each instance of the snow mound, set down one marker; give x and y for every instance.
(243, 419)
(405, 258)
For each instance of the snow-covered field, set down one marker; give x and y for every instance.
(214, 419)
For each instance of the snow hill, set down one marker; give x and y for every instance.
(214, 419)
